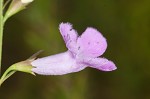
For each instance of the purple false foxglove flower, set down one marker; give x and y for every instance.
(83, 51)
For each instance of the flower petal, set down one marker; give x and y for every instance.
(91, 43)
(99, 63)
(56, 65)
(69, 35)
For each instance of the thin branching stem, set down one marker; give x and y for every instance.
(1, 30)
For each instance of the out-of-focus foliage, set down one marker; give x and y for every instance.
(125, 24)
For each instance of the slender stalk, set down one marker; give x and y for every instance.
(5, 4)
(1, 30)
(6, 75)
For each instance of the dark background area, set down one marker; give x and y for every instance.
(125, 24)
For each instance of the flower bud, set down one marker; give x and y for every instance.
(15, 7)
(26, 1)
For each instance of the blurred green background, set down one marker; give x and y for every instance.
(125, 24)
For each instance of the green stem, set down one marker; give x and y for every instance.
(1, 30)
(7, 74)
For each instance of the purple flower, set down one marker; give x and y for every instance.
(83, 51)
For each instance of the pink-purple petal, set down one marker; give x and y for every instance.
(91, 43)
(99, 63)
(70, 36)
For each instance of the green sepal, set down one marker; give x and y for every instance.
(24, 66)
